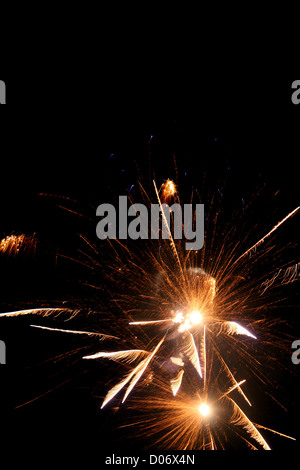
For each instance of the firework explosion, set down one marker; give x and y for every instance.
(190, 323)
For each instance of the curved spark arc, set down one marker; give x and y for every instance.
(234, 328)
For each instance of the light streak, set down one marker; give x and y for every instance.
(252, 248)
(76, 332)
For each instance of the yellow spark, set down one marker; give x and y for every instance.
(14, 244)
(168, 189)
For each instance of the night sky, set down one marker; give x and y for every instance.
(241, 133)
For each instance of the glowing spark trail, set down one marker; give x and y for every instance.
(233, 328)
(127, 356)
(168, 228)
(275, 432)
(76, 332)
(241, 419)
(291, 214)
(38, 311)
(191, 352)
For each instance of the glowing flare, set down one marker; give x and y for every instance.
(195, 317)
(168, 189)
(178, 318)
(204, 409)
(188, 321)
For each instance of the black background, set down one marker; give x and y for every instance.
(58, 134)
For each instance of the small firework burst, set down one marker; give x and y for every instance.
(15, 245)
(168, 191)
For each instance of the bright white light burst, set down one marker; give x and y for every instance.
(204, 409)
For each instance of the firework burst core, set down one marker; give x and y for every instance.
(188, 321)
(204, 410)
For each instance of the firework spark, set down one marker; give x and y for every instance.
(168, 191)
(14, 245)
